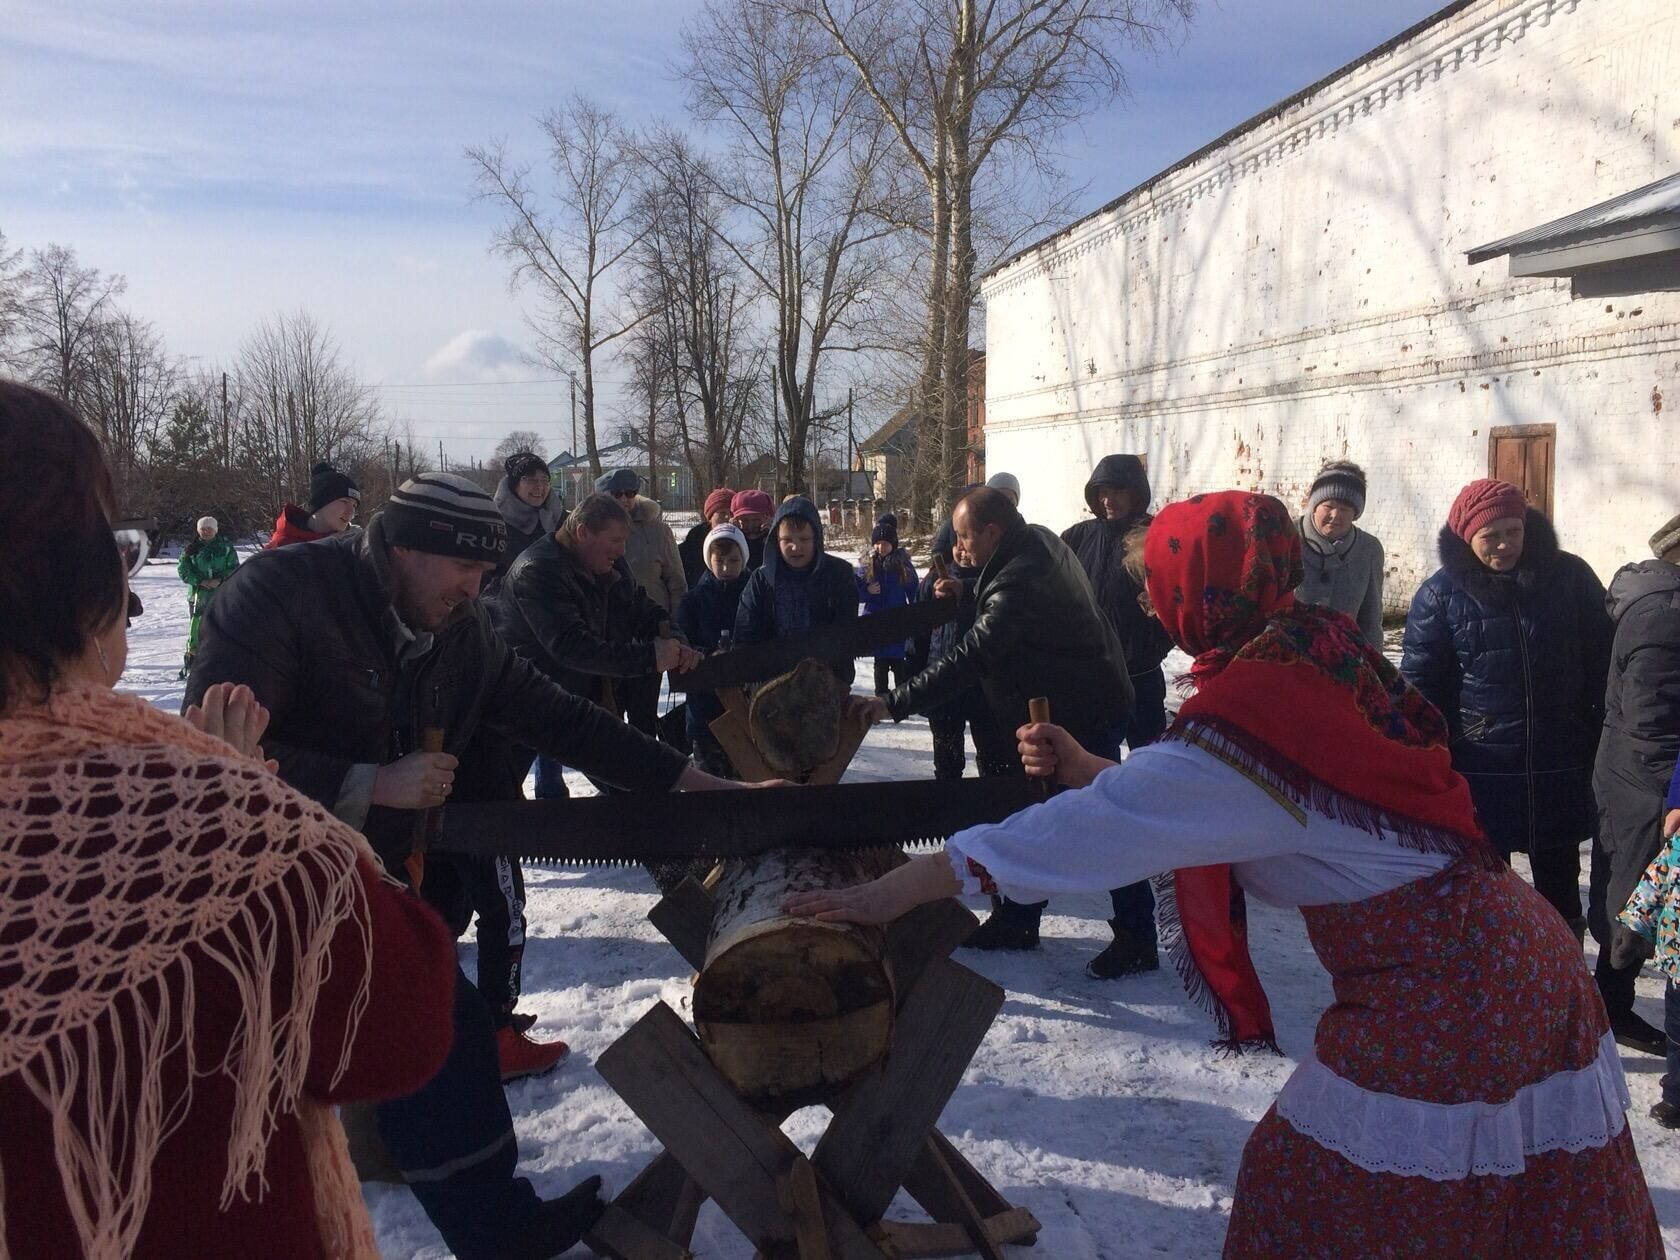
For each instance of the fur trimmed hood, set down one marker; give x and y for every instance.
(1537, 566)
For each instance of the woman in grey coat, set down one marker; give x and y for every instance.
(1344, 564)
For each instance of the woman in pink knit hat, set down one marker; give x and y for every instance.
(1511, 641)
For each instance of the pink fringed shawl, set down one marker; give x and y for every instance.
(132, 844)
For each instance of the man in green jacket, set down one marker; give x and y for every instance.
(205, 564)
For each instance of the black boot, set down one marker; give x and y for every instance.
(562, 1222)
(1635, 1033)
(1666, 1114)
(1125, 956)
(1010, 926)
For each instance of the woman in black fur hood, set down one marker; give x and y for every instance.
(1511, 641)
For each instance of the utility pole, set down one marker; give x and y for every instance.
(291, 430)
(442, 467)
(776, 438)
(851, 446)
(227, 435)
(574, 419)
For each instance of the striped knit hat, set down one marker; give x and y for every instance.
(445, 515)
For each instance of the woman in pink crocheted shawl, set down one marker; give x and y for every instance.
(195, 960)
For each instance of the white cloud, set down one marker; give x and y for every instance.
(477, 355)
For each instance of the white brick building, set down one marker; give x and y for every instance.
(1299, 290)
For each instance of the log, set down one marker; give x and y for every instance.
(791, 1010)
(796, 720)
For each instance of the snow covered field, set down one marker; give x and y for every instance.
(1098, 1105)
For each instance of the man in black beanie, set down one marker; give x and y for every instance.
(357, 646)
(333, 500)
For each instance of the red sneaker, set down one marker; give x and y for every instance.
(521, 1057)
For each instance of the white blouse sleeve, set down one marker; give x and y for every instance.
(1167, 805)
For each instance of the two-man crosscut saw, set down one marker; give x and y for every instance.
(860, 636)
(675, 826)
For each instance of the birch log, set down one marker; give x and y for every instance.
(790, 1010)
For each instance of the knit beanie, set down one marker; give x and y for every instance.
(751, 503)
(1008, 483)
(1342, 482)
(619, 481)
(445, 515)
(1483, 502)
(524, 464)
(328, 485)
(718, 501)
(1666, 539)
(728, 534)
(209, 523)
(886, 530)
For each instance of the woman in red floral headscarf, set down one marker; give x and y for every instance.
(1304, 770)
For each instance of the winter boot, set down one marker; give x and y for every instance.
(1123, 957)
(1634, 1033)
(1666, 1114)
(521, 1057)
(561, 1223)
(1010, 926)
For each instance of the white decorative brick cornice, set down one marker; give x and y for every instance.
(1364, 91)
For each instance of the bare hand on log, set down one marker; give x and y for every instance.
(421, 780)
(673, 656)
(1049, 752)
(870, 710)
(882, 900)
(694, 779)
(231, 713)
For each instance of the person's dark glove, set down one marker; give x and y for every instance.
(1628, 948)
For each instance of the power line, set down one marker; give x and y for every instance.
(535, 380)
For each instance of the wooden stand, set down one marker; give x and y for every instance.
(882, 1135)
(731, 732)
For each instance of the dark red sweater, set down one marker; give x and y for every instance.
(401, 1042)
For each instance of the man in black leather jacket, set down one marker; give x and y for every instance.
(1037, 632)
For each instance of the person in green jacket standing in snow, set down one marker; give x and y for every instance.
(205, 564)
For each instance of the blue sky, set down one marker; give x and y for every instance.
(242, 157)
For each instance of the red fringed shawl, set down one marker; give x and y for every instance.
(1294, 697)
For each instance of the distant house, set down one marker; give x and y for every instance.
(886, 455)
(675, 491)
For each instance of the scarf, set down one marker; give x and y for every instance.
(520, 515)
(132, 844)
(1292, 696)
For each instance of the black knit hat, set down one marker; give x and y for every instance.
(445, 515)
(522, 465)
(328, 485)
(1342, 481)
(886, 530)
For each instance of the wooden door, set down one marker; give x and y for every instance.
(1525, 455)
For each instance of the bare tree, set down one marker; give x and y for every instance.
(808, 172)
(569, 253)
(128, 386)
(301, 403)
(11, 301)
(62, 308)
(964, 84)
(690, 288)
(517, 441)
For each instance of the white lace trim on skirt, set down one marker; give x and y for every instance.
(1385, 1133)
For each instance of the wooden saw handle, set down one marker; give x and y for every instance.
(415, 863)
(1038, 711)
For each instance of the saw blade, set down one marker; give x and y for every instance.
(759, 662)
(684, 826)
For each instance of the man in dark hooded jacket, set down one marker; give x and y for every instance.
(1037, 632)
(1636, 756)
(799, 586)
(1118, 495)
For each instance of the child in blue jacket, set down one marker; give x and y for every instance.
(886, 579)
(706, 617)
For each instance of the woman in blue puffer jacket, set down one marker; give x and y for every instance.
(1511, 641)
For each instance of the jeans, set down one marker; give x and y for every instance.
(453, 1139)
(551, 780)
(1671, 1030)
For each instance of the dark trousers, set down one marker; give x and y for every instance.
(551, 780)
(950, 756)
(1615, 986)
(1671, 1030)
(641, 702)
(453, 1139)
(1557, 878)
(890, 673)
(493, 889)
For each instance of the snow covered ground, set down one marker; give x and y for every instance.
(1098, 1105)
